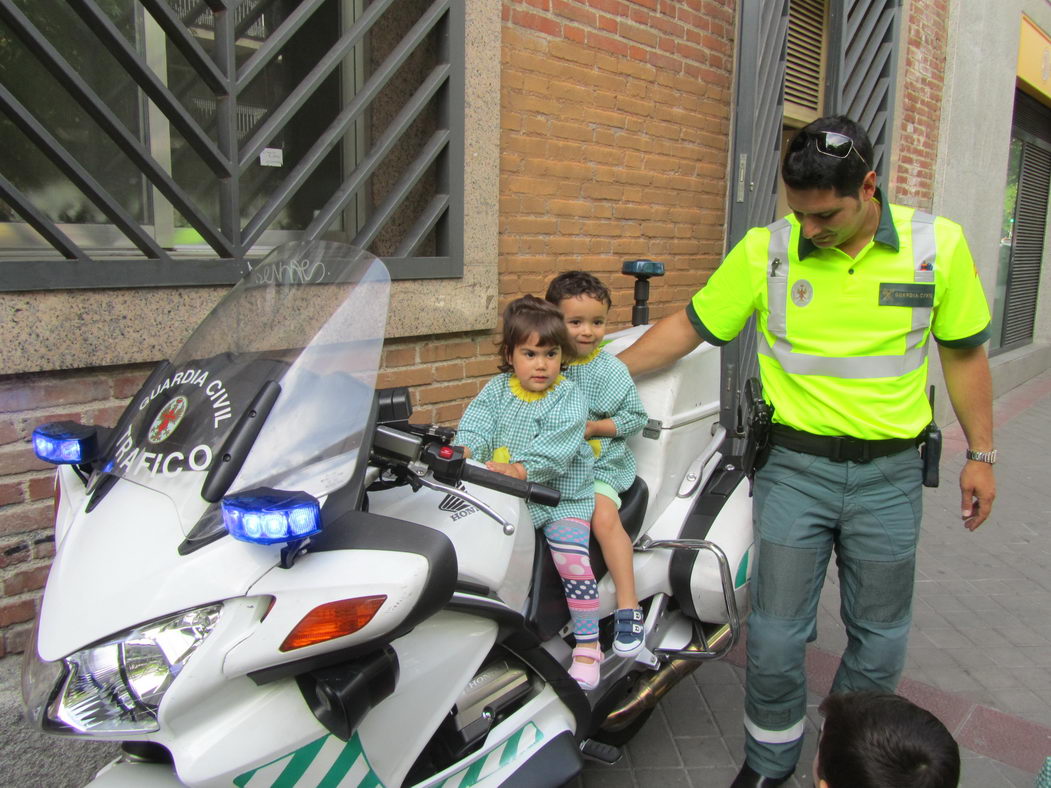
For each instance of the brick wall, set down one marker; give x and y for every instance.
(615, 131)
(924, 35)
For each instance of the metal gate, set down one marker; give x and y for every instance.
(756, 161)
(862, 69)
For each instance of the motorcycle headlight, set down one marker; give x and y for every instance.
(117, 687)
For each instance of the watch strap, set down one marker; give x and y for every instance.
(982, 456)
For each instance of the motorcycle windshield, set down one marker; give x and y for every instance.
(309, 318)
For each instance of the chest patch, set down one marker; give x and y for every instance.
(802, 292)
(914, 294)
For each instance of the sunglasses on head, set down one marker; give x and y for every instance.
(830, 143)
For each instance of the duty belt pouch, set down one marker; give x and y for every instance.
(760, 419)
(931, 451)
(931, 454)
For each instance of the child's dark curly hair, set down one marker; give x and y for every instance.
(573, 284)
(529, 315)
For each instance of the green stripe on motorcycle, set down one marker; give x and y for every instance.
(490, 762)
(343, 764)
(299, 762)
(742, 570)
(511, 748)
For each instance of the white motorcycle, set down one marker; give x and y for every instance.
(266, 576)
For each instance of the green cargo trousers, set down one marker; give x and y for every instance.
(805, 507)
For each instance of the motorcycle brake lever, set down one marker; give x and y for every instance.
(463, 495)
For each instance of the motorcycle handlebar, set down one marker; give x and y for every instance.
(531, 491)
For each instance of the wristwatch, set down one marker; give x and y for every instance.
(982, 456)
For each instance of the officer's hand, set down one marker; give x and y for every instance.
(978, 490)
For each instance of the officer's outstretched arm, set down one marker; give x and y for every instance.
(667, 340)
(970, 388)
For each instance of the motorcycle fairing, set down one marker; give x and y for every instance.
(694, 574)
(332, 762)
(340, 560)
(483, 551)
(513, 746)
(116, 549)
(316, 580)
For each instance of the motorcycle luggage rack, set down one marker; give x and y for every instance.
(725, 637)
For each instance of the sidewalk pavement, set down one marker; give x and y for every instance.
(979, 653)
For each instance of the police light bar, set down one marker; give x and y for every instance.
(65, 443)
(268, 516)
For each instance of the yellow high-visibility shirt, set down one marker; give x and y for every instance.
(843, 341)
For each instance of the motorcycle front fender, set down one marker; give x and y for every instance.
(136, 775)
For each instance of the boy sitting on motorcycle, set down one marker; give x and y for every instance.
(615, 413)
(528, 422)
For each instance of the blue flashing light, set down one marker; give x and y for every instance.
(65, 443)
(268, 516)
(644, 268)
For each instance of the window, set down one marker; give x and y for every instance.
(1024, 225)
(805, 61)
(157, 142)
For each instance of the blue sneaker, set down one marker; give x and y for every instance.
(628, 636)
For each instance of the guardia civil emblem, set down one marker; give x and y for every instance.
(802, 292)
(168, 419)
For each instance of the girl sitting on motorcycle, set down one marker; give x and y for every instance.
(528, 422)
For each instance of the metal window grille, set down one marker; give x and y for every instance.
(238, 124)
(1032, 126)
(862, 69)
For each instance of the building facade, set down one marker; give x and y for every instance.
(478, 146)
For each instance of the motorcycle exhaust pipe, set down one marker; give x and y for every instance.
(648, 691)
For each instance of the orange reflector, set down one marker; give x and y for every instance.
(333, 620)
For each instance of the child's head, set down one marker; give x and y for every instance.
(534, 342)
(881, 740)
(584, 302)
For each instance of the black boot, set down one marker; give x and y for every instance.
(749, 778)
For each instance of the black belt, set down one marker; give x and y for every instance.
(838, 448)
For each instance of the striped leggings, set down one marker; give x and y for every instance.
(568, 541)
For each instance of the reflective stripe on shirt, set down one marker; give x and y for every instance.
(846, 367)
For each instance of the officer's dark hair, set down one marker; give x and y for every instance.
(528, 315)
(881, 740)
(573, 284)
(806, 167)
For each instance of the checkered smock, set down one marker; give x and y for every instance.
(542, 430)
(611, 394)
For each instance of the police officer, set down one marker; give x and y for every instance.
(847, 290)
